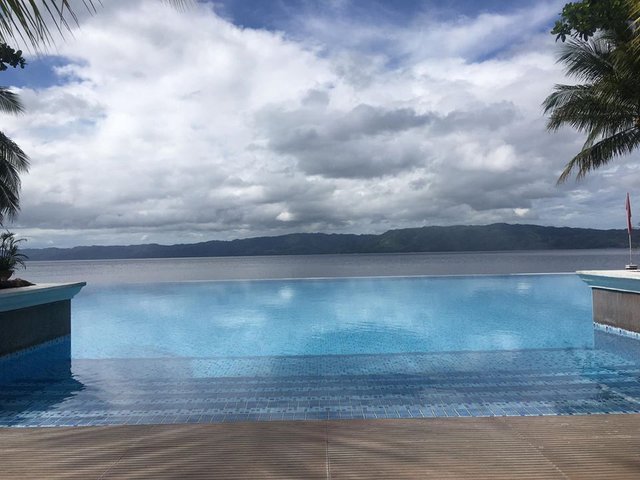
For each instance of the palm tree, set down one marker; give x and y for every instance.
(13, 161)
(31, 21)
(605, 105)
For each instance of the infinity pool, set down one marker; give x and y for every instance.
(329, 348)
(332, 317)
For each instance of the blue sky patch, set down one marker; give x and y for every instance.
(39, 72)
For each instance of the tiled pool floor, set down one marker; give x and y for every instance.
(56, 392)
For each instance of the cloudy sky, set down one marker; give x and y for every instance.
(242, 118)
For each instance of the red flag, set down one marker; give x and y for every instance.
(628, 214)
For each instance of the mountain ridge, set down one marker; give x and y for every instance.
(456, 238)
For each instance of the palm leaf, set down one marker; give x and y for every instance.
(10, 102)
(587, 61)
(634, 7)
(601, 153)
(30, 20)
(587, 108)
(13, 161)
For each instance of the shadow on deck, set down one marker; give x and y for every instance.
(580, 447)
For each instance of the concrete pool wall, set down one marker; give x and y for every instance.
(616, 298)
(33, 315)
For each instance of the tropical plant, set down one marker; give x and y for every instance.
(13, 161)
(10, 255)
(583, 19)
(605, 104)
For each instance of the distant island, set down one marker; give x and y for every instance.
(459, 238)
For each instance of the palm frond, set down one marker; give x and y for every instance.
(32, 21)
(27, 20)
(13, 161)
(587, 61)
(10, 102)
(601, 153)
(633, 44)
(634, 8)
(587, 108)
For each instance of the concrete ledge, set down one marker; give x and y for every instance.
(616, 297)
(33, 315)
(22, 297)
(619, 280)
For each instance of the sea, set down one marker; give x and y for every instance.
(155, 270)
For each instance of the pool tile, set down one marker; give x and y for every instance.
(530, 382)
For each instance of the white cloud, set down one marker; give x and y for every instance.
(179, 126)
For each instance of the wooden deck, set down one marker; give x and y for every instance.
(585, 447)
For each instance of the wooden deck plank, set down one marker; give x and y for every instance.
(61, 453)
(583, 447)
(587, 447)
(440, 448)
(229, 451)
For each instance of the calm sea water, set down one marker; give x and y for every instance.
(312, 266)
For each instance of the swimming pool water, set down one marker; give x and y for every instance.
(330, 348)
(332, 317)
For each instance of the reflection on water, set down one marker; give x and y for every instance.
(49, 360)
(36, 381)
(332, 316)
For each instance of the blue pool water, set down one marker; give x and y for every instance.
(324, 348)
(332, 317)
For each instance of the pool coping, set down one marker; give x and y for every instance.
(617, 280)
(24, 297)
